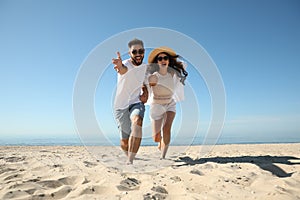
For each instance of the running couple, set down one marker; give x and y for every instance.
(159, 83)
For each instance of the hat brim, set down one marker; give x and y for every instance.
(155, 52)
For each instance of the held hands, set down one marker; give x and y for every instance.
(144, 95)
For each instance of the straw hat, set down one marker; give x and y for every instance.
(155, 52)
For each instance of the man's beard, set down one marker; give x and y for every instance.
(137, 62)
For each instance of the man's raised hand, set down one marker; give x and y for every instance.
(117, 62)
(119, 67)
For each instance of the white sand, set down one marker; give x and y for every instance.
(265, 171)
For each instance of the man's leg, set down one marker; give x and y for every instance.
(136, 116)
(135, 137)
(123, 120)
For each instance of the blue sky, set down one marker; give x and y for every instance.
(255, 45)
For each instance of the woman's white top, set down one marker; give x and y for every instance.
(164, 89)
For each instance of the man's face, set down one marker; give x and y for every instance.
(136, 53)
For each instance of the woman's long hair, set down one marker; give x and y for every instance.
(175, 67)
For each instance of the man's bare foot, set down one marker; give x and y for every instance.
(129, 162)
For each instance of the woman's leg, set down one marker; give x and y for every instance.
(124, 145)
(156, 134)
(167, 132)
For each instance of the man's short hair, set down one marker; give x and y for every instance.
(135, 41)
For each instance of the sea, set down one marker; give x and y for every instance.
(77, 141)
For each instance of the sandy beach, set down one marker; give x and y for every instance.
(254, 171)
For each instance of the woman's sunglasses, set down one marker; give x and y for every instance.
(140, 51)
(160, 58)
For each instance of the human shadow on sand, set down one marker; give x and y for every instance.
(264, 162)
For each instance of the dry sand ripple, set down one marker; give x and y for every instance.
(265, 171)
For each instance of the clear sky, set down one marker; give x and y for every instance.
(255, 45)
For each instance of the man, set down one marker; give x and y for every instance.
(129, 102)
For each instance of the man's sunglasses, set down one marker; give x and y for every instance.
(160, 58)
(140, 51)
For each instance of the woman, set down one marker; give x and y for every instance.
(166, 80)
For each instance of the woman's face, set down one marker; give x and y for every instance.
(162, 59)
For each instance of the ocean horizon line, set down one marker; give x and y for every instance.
(190, 141)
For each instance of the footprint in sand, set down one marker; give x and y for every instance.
(156, 196)
(3, 169)
(50, 183)
(51, 189)
(73, 180)
(197, 172)
(129, 184)
(16, 195)
(14, 159)
(176, 179)
(159, 189)
(161, 193)
(13, 177)
(89, 164)
(95, 189)
(28, 187)
(61, 192)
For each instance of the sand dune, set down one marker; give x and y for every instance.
(264, 171)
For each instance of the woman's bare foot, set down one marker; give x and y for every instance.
(159, 145)
(157, 138)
